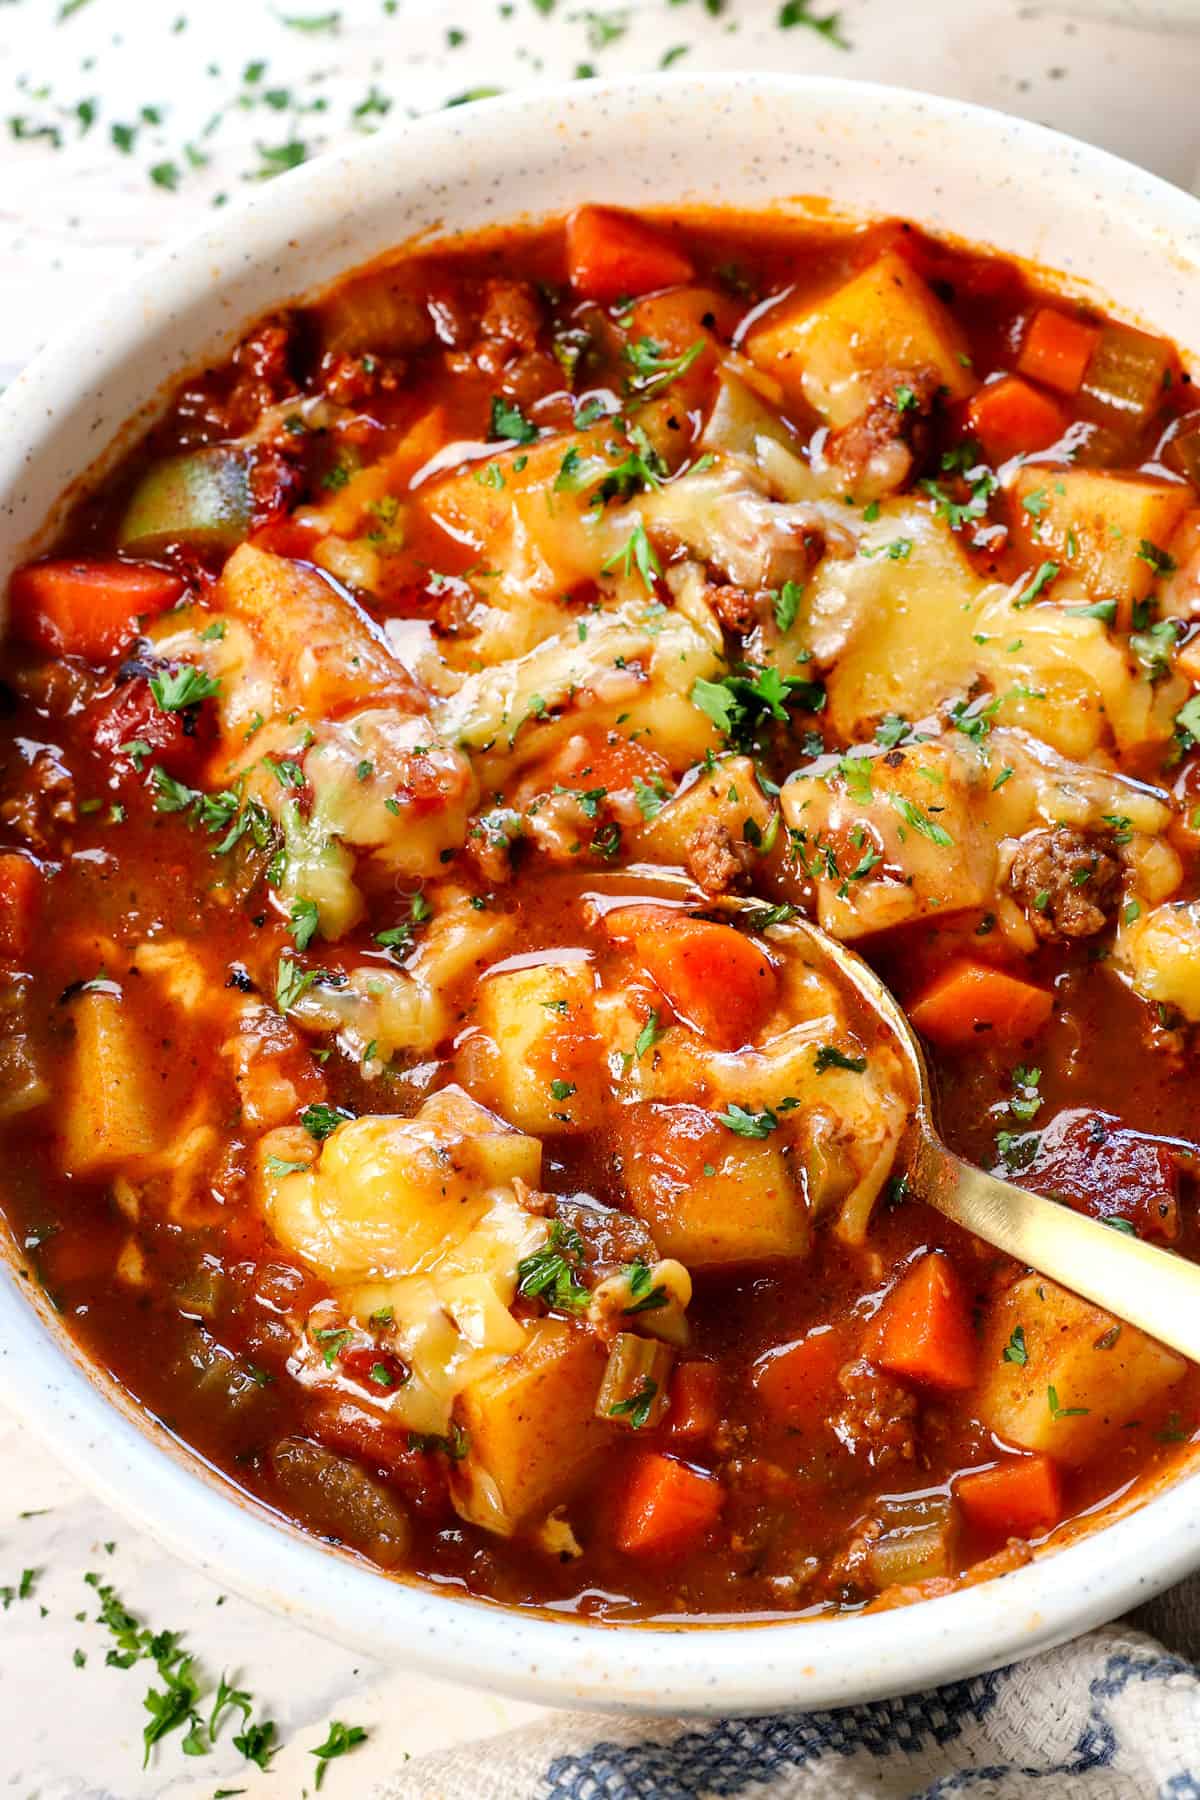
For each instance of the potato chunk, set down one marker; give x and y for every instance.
(1097, 524)
(897, 621)
(1069, 681)
(710, 1197)
(325, 653)
(1074, 1357)
(111, 1107)
(531, 1428)
(631, 665)
(534, 1054)
(535, 521)
(388, 1196)
(728, 800)
(885, 317)
(1160, 953)
(891, 836)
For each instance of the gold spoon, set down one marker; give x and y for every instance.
(1138, 1282)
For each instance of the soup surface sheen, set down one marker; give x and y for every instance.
(411, 759)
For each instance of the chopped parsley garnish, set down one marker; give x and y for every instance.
(1159, 560)
(550, 1274)
(637, 552)
(891, 730)
(638, 1406)
(321, 1120)
(650, 796)
(645, 1295)
(1014, 1351)
(332, 1341)
(786, 604)
(508, 421)
(982, 484)
(748, 1124)
(1026, 1099)
(291, 981)
(766, 916)
(648, 1036)
(738, 704)
(828, 1056)
(182, 687)
(1037, 584)
(920, 821)
(302, 922)
(278, 1167)
(561, 1090)
(1063, 1412)
(827, 25)
(1188, 718)
(654, 369)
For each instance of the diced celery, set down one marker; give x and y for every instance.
(202, 497)
(634, 1389)
(1126, 376)
(919, 1538)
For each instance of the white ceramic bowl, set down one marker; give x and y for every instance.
(751, 141)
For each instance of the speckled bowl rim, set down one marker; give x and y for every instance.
(738, 140)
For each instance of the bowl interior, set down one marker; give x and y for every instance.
(807, 146)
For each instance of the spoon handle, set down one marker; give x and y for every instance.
(1148, 1287)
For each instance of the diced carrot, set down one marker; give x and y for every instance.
(718, 980)
(1010, 418)
(926, 1334)
(693, 1410)
(1020, 1497)
(971, 998)
(667, 1507)
(794, 1381)
(611, 256)
(1057, 350)
(20, 896)
(81, 608)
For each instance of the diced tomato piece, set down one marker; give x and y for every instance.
(599, 759)
(667, 1507)
(1011, 418)
(131, 716)
(926, 1333)
(378, 1371)
(285, 537)
(970, 999)
(20, 901)
(1101, 1167)
(1020, 1497)
(81, 608)
(1057, 350)
(694, 1401)
(717, 980)
(794, 1381)
(420, 1475)
(611, 256)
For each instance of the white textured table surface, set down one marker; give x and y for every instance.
(124, 122)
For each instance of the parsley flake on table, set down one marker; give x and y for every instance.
(339, 1741)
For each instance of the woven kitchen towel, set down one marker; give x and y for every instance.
(1114, 1716)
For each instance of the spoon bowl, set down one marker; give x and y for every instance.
(1139, 1283)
